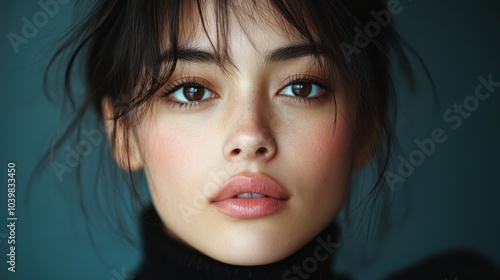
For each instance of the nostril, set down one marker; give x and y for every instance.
(260, 151)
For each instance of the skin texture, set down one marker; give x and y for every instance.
(189, 152)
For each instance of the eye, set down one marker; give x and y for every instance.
(303, 89)
(190, 93)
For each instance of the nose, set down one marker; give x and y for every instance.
(250, 139)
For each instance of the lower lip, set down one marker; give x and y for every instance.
(250, 208)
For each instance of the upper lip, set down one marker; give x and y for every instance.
(251, 183)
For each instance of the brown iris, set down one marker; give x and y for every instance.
(302, 89)
(193, 92)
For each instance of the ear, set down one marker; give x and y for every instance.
(126, 149)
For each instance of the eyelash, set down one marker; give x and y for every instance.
(301, 78)
(192, 81)
(188, 81)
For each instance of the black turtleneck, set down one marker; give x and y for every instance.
(166, 258)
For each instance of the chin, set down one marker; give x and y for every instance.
(252, 247)
(251, 257)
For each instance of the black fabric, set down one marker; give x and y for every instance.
(456, 265)
(167, 259)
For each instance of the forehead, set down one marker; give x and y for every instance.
(225, 25)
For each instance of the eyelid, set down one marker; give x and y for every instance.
(321, 82)
(171, 87)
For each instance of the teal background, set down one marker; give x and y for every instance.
(450, 201)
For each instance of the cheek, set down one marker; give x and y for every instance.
(322, 161)
(175, 161)
(319, 143)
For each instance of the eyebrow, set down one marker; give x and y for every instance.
(190, 55)
(294, 51)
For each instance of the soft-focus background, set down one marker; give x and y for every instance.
(451, 200)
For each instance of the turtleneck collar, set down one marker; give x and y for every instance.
(166, 258)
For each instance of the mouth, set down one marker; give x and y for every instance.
(251, 196)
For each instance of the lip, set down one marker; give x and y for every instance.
(276, 197)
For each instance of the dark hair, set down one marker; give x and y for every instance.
(122, 44)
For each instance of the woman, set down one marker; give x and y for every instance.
(247, 118)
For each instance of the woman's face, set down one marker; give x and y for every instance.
(259, 163)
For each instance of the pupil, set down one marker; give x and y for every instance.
(301, 89)
(193, 93)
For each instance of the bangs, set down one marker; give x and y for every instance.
(160, 28)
